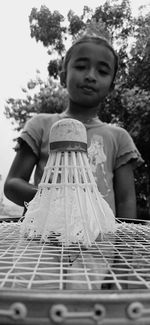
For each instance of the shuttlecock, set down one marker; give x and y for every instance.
(68, 203)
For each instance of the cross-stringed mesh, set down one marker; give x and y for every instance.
(119, 261)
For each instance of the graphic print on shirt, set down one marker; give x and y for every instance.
(97, 157)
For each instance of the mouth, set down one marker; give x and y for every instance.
(88, 89)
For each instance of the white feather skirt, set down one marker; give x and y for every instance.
(68, 203)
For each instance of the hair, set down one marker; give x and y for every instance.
(86, 38)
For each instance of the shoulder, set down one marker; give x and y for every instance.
(42, 118)
(115, 131)
(115, 128)
(118, 132)
(110, 131)
(127, 150)
(41, 121)
(36, 130)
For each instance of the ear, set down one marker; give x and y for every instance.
(63, 78)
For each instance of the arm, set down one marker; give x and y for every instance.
(124, 188)
(17, 187)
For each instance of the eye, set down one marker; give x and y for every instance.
(103, 72)
(80, 67)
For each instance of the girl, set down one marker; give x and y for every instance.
(88, 73)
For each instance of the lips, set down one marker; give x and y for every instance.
(88, 89)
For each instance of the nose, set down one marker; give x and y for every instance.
(91, 74)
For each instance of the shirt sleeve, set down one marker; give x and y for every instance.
(127, 150)
(32, 134)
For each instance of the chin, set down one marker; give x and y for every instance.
(89, 104)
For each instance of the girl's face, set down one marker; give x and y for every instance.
(90, 73)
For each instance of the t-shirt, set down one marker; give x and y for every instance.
(109, 147)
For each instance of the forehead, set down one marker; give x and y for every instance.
(92, 51)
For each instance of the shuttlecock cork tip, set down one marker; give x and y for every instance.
(68, 134)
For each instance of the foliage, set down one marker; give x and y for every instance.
(139, 64)
(48, 97)
(130, 108)
(46, 27)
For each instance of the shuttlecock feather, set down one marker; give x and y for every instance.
(68, 203)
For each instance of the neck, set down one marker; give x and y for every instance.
(83, 114)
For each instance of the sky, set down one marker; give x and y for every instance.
(21, 56)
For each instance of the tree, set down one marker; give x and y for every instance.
(139, 64)
(40, 96)
(46, 27)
